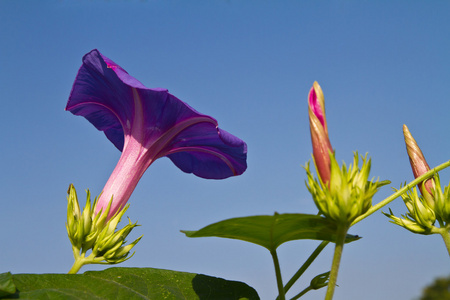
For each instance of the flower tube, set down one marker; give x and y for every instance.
(146, 124)
(319, 132)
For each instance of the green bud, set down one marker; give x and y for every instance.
(320, 281)
(86, 216)
(107, 234)
(115, 249)
(442, 201)
(114, 240)
(123, 251)
(73, 216)
(422, 213)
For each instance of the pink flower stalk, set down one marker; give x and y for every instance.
(418, 163)
(147, 124)
(319, 132)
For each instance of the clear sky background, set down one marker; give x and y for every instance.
(250, 65)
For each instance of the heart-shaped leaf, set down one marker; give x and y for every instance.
(128, 283)
(272, 231)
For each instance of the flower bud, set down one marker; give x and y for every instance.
(319, 132)
(73, 217)
(320, 281)
(419, 166)
(125, 250)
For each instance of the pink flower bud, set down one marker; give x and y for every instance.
(418, 164)
(319, 132)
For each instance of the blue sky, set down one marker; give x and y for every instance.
(250, 65)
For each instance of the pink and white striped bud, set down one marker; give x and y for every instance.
(319, 132)
(419, 166)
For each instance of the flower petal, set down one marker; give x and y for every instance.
(123, 108)
(208, 152)
(100, 96)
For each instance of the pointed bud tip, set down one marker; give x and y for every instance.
(406, 132)
(70, 187)
(417, 160)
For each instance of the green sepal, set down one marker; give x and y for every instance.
(349, 192)
(425, 210)
(441, 201)
(420, 217)
(408, 223)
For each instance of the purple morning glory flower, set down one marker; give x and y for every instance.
(146, 124)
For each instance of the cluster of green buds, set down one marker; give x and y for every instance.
(97, 233)
(420, 218)
(341, 194)
(432, 205)
(348, 194)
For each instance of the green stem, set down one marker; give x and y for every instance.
(309, 288)
(401, 191)
(276, 263)
(305, 266)
(79, 262)
(446, 237)
(340, 240)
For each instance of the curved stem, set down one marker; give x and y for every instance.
(446, 237)
(276, 263)
(79, 262)
(305, 266)
(340, 240)
(401, 191)
(309, 288)
(82, 260)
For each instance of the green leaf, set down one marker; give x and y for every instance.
(7, 286)
(272, 231)
(129, 283)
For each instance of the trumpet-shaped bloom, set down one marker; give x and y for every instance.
(319, 132)
(146, 124)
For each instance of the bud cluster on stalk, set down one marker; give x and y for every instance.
(90, 231)
(340, 194)
(432, 205)
(424, 211)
